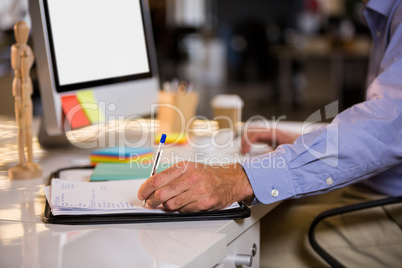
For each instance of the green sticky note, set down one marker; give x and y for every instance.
(90, 106)
(123, 171)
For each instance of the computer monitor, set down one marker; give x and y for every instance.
(102, 45)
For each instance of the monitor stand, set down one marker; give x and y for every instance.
(48, 142)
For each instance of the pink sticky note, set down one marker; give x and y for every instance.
(74, 112)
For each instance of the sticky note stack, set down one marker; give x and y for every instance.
(127, 171)
(121, 155)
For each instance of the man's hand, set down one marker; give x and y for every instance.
(272, 137)
(190, 187)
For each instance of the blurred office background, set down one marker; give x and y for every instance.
(282, 57)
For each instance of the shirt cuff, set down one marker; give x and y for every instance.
(269, 177)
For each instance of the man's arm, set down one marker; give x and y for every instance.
(361, 142)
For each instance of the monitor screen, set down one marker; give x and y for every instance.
(90, 49)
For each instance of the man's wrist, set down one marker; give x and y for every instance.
(247, 193)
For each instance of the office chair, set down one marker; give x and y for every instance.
(342, 210)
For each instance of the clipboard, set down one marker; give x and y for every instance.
(240, 212)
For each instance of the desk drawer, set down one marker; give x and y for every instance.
(244, 249)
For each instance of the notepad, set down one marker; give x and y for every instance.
(87, 198)
(98, 198)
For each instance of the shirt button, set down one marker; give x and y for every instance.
(329, 181)
(378, 33)
(274, 193)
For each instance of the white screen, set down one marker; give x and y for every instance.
(97, 39)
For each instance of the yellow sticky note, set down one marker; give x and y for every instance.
(172, 137)
(90, 106)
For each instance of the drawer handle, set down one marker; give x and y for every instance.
(243, 259)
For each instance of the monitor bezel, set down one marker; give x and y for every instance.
(92, 83)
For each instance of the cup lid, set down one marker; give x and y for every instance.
(227, 101)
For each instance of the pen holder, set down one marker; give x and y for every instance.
(175, 110)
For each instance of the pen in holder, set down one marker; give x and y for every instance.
(175, 109)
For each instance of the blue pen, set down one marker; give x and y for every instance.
(157, 160)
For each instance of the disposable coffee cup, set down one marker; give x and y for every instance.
(227, 110)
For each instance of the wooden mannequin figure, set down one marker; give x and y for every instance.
(22, 59)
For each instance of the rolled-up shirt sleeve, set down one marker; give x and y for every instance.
(361, 142)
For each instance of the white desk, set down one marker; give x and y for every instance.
(25, 241)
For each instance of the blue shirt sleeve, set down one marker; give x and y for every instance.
(362, 141)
